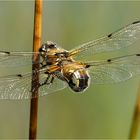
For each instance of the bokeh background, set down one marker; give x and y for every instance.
(103, 111)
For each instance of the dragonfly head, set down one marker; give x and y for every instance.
(47, 46)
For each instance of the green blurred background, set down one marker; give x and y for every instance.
(103, 111)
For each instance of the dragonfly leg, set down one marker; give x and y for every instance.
(43, 64)
(49, 80)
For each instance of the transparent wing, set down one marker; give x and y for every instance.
(51, 88)
(115, 70)
(114, 41)
(19, 86)
(13, 59)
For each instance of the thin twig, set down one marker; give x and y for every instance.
(136, 119)
(35, 68)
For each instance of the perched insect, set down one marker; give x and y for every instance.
(60, 68)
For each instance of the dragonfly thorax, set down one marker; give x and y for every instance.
(52, 54)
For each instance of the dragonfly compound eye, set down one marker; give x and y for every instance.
(51, 44)
(43, 48)
(47, 46)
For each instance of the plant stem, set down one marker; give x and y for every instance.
(35, 68)
(136, 119)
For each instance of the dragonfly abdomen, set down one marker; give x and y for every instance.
(79, 80)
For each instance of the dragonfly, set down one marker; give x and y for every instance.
(60, 68)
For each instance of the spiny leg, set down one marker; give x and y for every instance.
(47, 81)
(43, 64)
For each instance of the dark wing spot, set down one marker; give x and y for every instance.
(87, 66)
(135, 22)
(19, 75)
(5, 52)
(109, 60)
(137, 54)
(110, 35)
